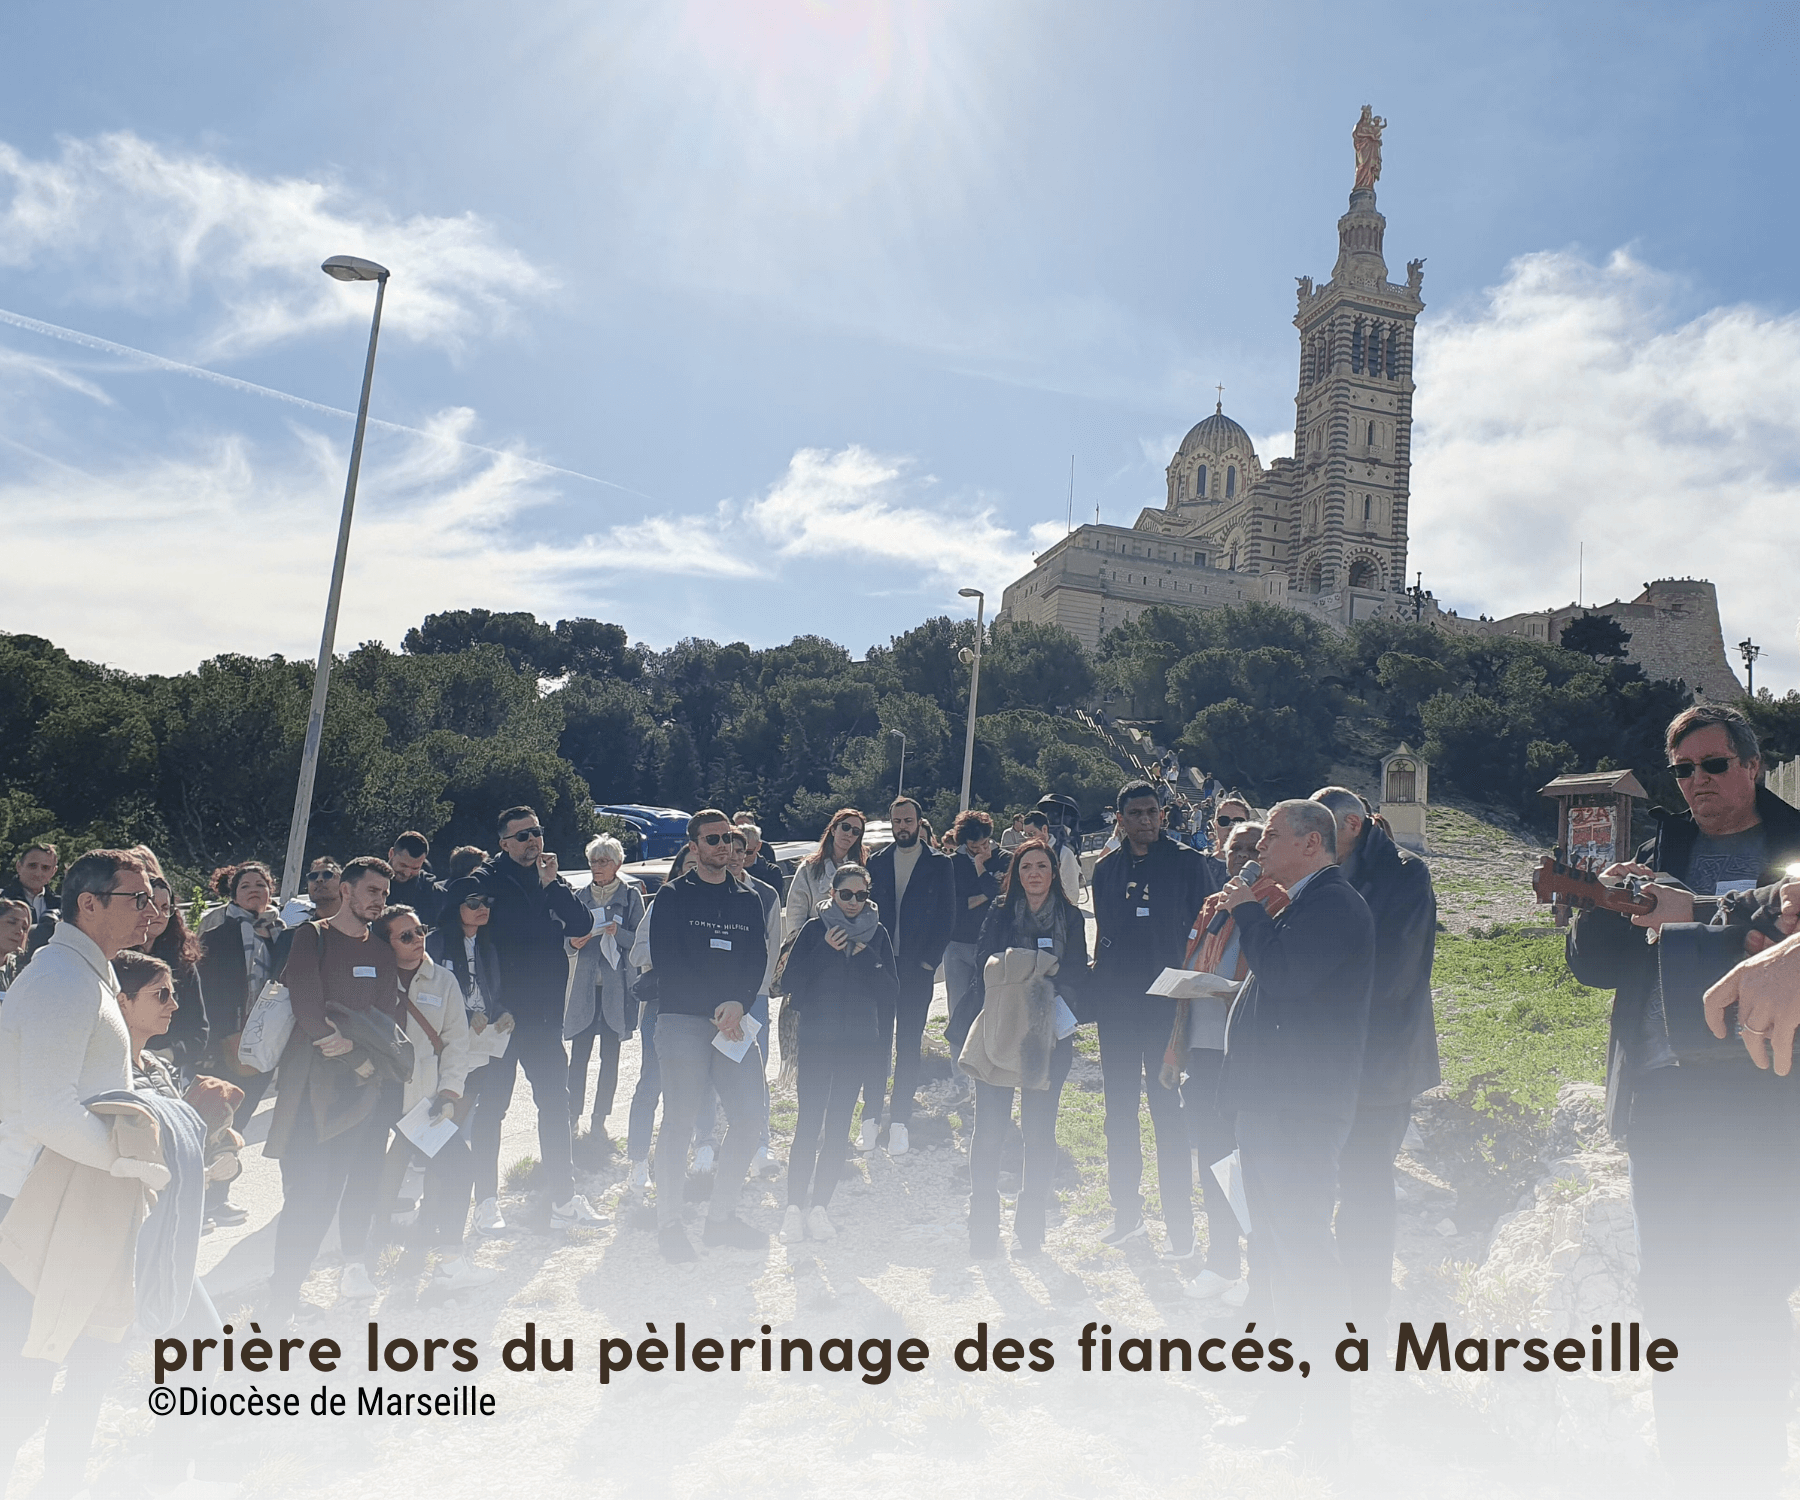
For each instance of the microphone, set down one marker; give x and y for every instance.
(1250, 874)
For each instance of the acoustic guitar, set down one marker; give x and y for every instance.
(1557, 881)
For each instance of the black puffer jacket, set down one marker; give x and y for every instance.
(837, 994)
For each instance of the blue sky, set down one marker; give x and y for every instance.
(748, 319)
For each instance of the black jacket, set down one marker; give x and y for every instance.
(15, 891)
(766, 870)
(528, 922)
(225, 978)
(1607, 952)
(1401, 1058)
(185, 1040)
(838, 995)
(971, 882)
(1143, 912)
(424, 893)
(446, 947)
(920, 926)
(707, 945)
(1295, 1037)
(1073, 979)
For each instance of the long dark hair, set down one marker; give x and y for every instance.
(175, 945)
(1012, 866)
(823, 852)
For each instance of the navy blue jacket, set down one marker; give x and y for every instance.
(528, 922)
(1401, 1059)
(921, 924)
(1143, 913)
(1294, 1040)
(708, 945)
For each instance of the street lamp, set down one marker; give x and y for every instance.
(339, 268)
(1749, 650)
(900, 790)
(972, 659)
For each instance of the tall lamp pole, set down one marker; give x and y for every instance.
(900, 790)
(973, 659)
(1750, 651)
(340, 268)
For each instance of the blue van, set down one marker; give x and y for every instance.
(663, 829)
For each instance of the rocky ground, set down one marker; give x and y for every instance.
(899, 1269)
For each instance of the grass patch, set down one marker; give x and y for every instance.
(1511, 1015)
(522, 1174)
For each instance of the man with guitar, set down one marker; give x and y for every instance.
(1714, 1142)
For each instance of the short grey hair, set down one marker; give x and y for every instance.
(605, 846)
(1343, 803)
(751, 832)
(1305, 817)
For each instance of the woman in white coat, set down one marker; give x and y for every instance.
(438, 1028)
(840, 844)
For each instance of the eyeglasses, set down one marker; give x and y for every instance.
(476, 901)
(313, 877)
(163, 992)
(854, 833)
(1713, 765)
(140, 898)
(857, 896)
(1224, 822)
(412, 935)
(712, 838)
(523, 834)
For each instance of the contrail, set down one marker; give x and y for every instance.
(231, 382)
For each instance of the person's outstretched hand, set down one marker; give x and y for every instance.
(1766, 991)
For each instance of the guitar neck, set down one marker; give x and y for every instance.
(1565, 884)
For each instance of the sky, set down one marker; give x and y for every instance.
(752, 318)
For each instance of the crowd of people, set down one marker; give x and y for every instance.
(391, 1009)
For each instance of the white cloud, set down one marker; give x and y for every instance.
(1572, 408)
(135, 225)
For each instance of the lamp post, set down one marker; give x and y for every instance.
(900, 790)
(339, 268)
(973, 660)
(1749, 650)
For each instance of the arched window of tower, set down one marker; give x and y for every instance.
(1231, 481)
(1200, 482)
(1364, 575)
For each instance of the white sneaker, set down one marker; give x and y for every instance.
(640, 1175)
(459, 1274)
(353, 1282)
(1237, 1294)
(819, 1225)
(1206, 1285)
(577, 1213)
(488, 1218)
(793, 1225)
(866, 1136)
(897, 1139)
(703, 1159)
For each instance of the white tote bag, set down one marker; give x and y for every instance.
(267, 1028)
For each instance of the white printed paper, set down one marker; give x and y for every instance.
(736, 1050)
(1065, 1019)
(1230, 1173)
(1189, 984)
(427, 1134)
(490, 1041)
(609, 950)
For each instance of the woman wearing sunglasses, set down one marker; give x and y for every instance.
(438, 1029)
(183, 1041)
(839, 975)
(1032, 913)
(840, 844)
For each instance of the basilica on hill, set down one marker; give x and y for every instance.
(1325, 532)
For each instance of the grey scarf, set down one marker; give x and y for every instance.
(1047, 921)
(860, 929)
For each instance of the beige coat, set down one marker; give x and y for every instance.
(1010, 1043)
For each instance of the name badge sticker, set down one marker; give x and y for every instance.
(363, 971)
(724, 943)
(430, 1002)
(1143, 911)
(1046, 942)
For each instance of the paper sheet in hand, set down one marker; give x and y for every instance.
(1230, 1172)
(488, 1042)
(427, 1134)
(1065, 1021)
(609, 950)
(1188, 984)
(736, 1050)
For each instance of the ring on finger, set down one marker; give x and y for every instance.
(1751, 1031)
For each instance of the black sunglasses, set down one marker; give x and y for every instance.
(474, 900)
(854, 833)
(1225, 822)
(712, 838)
(412, 935)
(315, 876)
(1713, 765)
(857, 896)
(525, 833)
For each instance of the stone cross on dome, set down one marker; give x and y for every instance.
(1219, 405)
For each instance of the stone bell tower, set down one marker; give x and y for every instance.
(1353, 407)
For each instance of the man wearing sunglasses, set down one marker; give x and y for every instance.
(321, 893)
(1714, 1142)
(531, 911)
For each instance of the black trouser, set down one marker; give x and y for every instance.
(1211, 1133)
(341, 1176)
(1134, 1035)
(1290, 1186)
(581, 1048)
(901, 1033)
(449, 1179)
(1037, 1123)
(1715, 1182)
(538, 1049)
(1366, 1213)
(832, 1070)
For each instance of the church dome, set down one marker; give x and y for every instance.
(1217, 434)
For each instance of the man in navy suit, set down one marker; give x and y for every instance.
(1293, 1063)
